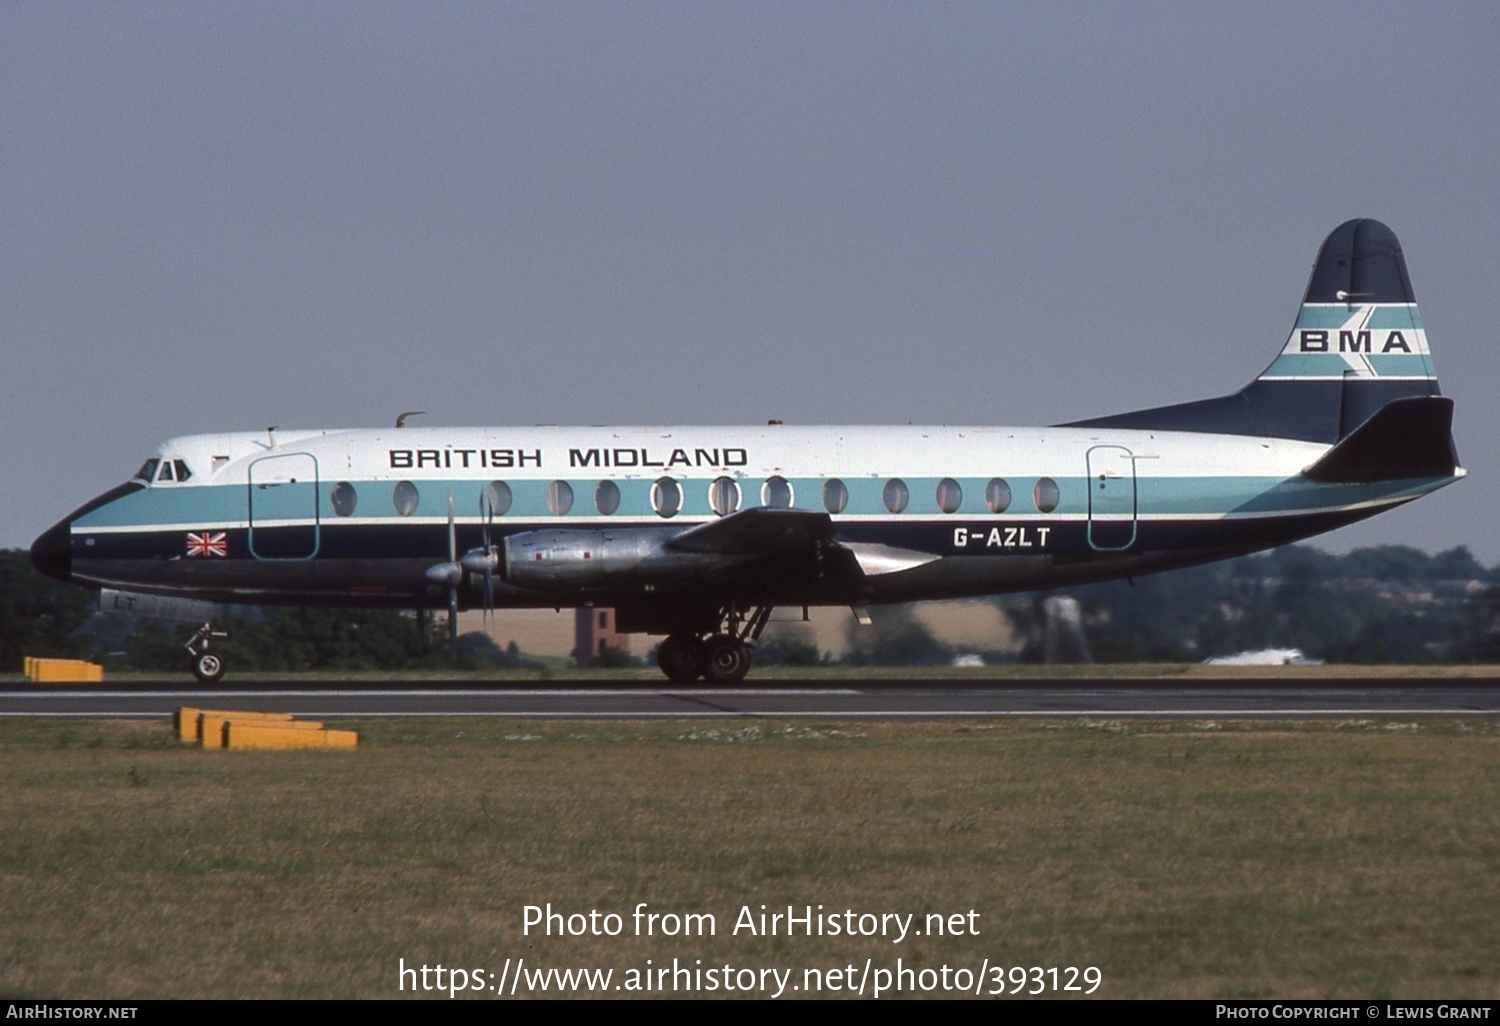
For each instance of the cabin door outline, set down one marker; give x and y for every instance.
(283, 507)
(1112, 498)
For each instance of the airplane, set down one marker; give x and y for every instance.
(698, 533)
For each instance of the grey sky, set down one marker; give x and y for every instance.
(224, 216)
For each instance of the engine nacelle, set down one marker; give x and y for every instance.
(560, 559)
(159, 607)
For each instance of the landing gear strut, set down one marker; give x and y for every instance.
(208, 666)
(721, 657)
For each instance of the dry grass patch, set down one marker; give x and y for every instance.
(1184, 860)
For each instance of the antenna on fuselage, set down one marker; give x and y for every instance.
(401, 418)
(271, 434)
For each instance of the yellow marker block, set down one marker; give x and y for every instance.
(185, 722)
(63, 671)
(266, 735)
(280, 724)
(211, 723)
(268, 724)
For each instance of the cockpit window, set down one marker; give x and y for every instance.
(164, 470)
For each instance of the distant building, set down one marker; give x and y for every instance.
(594, 632)
(1265, 657)
(1062, 638)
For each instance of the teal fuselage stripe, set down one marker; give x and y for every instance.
(1185, 496)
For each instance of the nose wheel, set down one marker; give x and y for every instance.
(207, 666)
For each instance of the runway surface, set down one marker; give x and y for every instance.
(904, 699)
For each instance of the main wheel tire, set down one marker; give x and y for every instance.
(726, 659)
(208, 667)
(680, 658)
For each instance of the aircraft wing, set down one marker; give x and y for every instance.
(793, 537)
(762, 531)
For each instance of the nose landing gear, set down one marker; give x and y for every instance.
(207, 666)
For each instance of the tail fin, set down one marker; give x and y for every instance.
(1358, 327)
(1358, 344)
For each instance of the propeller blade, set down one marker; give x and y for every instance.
(453, 622)
(487, 516)
(453, 586)
(452, 535)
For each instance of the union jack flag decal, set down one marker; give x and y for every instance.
(208, 544)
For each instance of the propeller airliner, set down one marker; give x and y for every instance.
(698, 533)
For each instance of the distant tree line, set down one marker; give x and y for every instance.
(1373, 605)
(291, 640)
(39, 616)
(43, 617)
(1386, 604)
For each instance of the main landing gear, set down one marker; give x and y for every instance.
(208, 666)
(720, 657)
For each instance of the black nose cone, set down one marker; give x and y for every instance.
(52, 552)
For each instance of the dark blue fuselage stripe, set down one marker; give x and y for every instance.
(993, 537)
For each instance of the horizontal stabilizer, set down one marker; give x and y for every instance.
(1406, 438)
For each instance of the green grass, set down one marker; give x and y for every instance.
(1356, 859)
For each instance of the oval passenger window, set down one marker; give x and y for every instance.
(607, 497)
(724, 496)
(666, 497)
(950, 495)
(997, 495)
(404, 498)
(895, 495)
(777, 491)
(496, 499)
(344, 498)
(835, 495)
(1045, 495)
(560, 498)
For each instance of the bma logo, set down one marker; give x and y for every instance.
(1352, 342)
